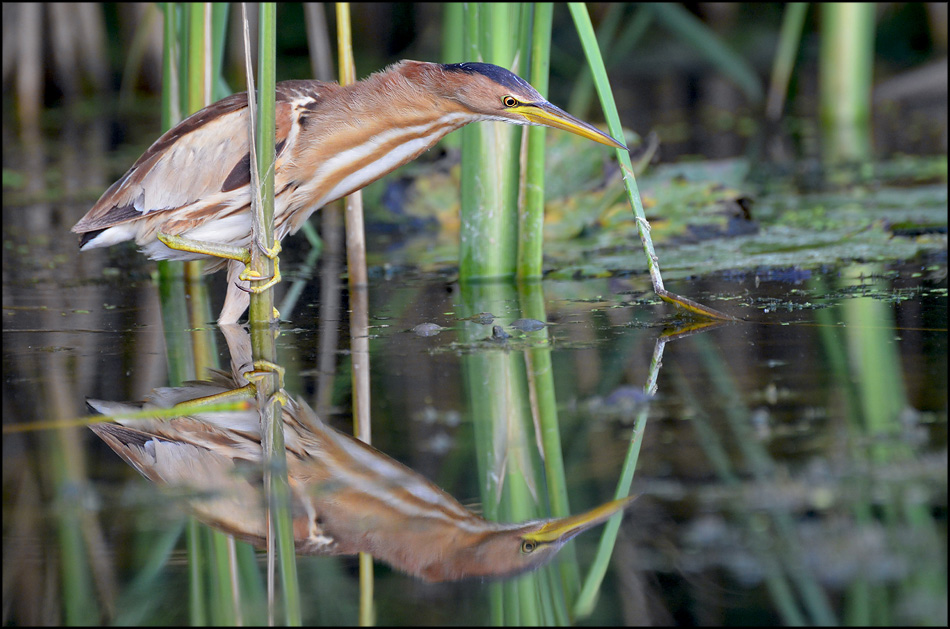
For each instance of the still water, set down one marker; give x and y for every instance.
(790, 466)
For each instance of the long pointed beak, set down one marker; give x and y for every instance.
(566, 528)
(544, 113)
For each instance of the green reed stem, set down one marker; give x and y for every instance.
(531, 215)
(171, 274)
(262, 304)
(846, 67)
(490, 170)
(585, 31)
(788, 44)
(262, 132)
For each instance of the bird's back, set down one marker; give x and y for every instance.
(197, 168)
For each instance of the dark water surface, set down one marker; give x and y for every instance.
(793, 465)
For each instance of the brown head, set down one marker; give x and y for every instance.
(506, 550)
(491, 92)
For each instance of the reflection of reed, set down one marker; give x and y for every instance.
(347, 496)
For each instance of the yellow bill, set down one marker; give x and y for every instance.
(566, 528)
(546, 114)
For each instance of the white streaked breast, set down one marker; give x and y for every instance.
(428, 134)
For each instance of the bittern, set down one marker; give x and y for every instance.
(188, 197)
(347, 497)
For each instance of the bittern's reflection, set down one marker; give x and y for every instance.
(347, 496)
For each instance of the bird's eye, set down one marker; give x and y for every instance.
(528, 546)
(509, 101)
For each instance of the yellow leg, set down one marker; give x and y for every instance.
(205, 248)
(251, 276)
(229, 252)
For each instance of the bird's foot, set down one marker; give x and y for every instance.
(250, 275)
(264, 368)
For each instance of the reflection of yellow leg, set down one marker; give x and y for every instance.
(279, 396)
(263, 368)
(245, 392)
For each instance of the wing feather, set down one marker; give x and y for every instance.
(167, 176)
(204, 155)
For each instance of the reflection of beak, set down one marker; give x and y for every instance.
(544, 113)
(566, 528)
